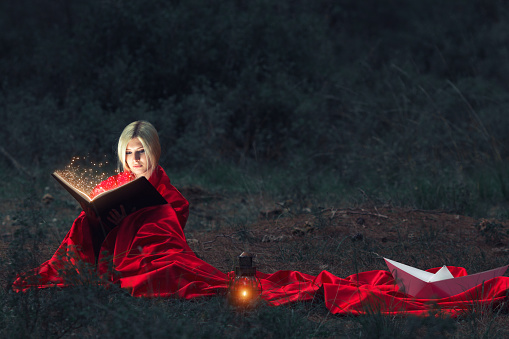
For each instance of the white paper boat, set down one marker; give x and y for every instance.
(442, 284)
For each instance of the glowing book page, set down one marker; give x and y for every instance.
(133, 196)
(442, 284)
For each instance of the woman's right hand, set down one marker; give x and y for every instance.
(116, 217)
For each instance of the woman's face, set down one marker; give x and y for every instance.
(136, 158)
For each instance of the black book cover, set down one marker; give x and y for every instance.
(133, 195)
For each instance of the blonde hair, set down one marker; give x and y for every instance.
(147, 134)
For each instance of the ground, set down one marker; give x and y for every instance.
(288, 234)
(340, 240)
(299, 236)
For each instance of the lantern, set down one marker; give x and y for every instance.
(244, 288)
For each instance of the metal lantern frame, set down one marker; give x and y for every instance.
(244, 287)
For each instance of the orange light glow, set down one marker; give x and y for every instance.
(84, 174)
(244, 291)
(244, 287)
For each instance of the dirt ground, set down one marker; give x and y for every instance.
(286, 235)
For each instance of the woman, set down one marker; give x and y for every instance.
(146, 251)
(139, 151)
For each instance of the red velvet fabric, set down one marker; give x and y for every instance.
(148, 255)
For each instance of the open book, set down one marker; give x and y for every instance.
(133, 195)
(442, 284)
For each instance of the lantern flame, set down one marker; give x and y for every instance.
(244, 287)
(244, 291)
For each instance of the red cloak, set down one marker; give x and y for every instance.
(150, 256)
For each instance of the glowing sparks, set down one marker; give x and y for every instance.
(85, 174)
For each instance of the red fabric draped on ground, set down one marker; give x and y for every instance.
(150, 257)
(375, 292)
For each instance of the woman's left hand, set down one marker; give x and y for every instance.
(116, 217)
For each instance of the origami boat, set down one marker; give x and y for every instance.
(442, 284)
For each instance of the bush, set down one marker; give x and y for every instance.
(375, 96)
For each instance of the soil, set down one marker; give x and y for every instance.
(286, 235)
(297, 236)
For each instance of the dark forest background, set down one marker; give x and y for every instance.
(405, 101)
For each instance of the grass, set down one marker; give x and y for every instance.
(315, 105)
(90, 311)
(478, 191)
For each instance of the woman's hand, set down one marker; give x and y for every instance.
(116, 217)
(91, 216)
